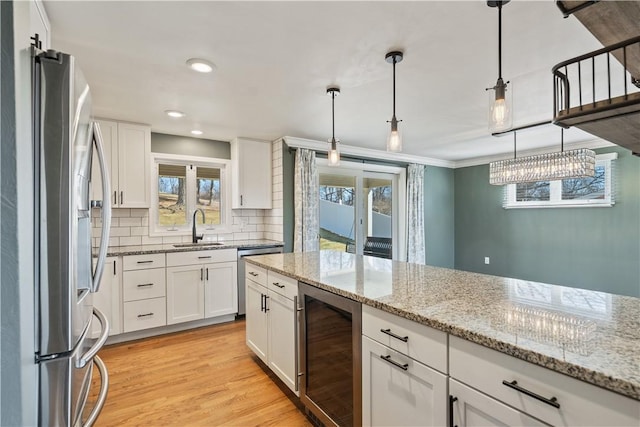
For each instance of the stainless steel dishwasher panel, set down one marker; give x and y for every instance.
(243, 252)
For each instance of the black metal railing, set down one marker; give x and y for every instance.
(575, 78)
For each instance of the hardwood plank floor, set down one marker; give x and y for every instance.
(202, 377)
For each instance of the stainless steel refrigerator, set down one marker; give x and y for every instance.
(64, 139)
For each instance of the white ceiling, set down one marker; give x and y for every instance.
(275, 60)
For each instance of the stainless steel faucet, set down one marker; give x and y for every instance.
(194, 236)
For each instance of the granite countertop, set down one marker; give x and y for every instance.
(171, 247)
(592, 336)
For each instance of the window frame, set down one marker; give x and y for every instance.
(555, 191)
(226, 220)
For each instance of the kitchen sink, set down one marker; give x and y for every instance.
(200, 244)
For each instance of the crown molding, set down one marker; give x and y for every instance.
(367, 153)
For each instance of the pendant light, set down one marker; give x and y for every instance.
(500, 100)
(394, 141)
(333, 154)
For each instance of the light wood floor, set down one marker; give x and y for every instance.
(202, 377)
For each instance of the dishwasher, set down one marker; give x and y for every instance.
(243, 252)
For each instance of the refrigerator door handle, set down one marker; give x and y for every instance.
(102, 397)
(105, 212)
(90, 354)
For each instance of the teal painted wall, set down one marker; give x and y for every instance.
(591, 248)
(184, 145)
(439, 221)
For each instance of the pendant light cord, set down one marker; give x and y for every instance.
(499, 39)
(394, 86)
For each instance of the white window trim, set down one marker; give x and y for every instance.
(399, 195)
(555, 192)
(226, 219)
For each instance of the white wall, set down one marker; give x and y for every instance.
(338, 219)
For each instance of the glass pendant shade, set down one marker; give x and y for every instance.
(500, 117)
(333, 154)
(394, 141)
(579, 163)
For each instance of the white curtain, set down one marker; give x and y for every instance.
(415, 214)
(306, 227)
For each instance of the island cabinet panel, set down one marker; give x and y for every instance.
(399, 391)
(417, 341)
(256, 320)
(470, 408)
(561, 400)
(404, 366)
(272, 322)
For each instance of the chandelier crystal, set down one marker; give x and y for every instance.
(578, 163)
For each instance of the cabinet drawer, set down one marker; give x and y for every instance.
(139, 262)
(282, 285)
(144, 314)
(201, 257)
(256, 274)
(422, 343)
(581, 404)
(398, 391)
(143, 284)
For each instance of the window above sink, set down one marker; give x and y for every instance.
(182, 184)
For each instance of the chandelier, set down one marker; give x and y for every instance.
(578, 163)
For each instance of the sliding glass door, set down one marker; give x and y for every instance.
(360, 209)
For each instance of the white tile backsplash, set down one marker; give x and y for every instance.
(131, 226)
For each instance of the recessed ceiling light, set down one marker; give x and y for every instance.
(201, 65)
(196, 132)
(174, 113)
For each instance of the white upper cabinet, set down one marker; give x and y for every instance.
(127, 148)
(251, 174)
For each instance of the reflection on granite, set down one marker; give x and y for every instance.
(466, 304)
(154, 249)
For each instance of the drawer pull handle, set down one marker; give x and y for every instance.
(514, 385)
(144, 285)
(145, 315)
(278, 285)
(204, 257)
(394, 363)
(391, 334)
(253, 274)
(145, 262)
(452, 400)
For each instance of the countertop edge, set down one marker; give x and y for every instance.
(616, 385)
(169, 248)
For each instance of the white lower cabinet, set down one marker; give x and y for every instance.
(143, 292)
(470, 408)
(538, 392)
(398, 391)
(201, 284)
(108, 299)
(257, 329)
(404, 364)
(271, 323)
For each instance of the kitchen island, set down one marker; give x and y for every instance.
(591, 336)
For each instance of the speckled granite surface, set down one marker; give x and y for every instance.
(153, 249)
(588, 335)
